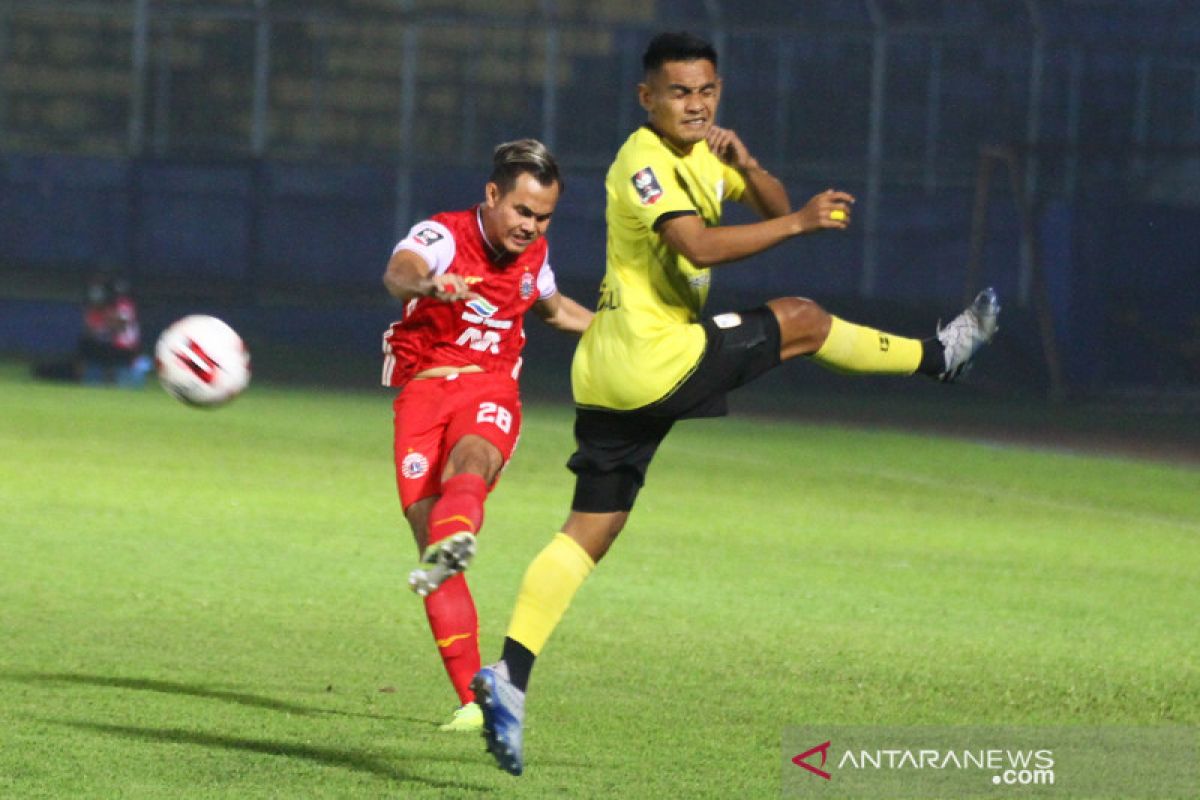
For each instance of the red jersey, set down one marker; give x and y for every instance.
(487, 331)
(114, 323)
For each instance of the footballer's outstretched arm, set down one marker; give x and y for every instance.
(564, 314)
(711, 247)
(408, 276)
(765, 193)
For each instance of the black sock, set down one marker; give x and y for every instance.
(520, 662)
(933, 357)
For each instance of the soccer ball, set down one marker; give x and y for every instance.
(202, 361)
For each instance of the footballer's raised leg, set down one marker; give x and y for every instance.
(857, 349)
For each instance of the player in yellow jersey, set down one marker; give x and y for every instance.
(650, 358)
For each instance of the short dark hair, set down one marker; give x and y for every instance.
(676, 46)
(513, 159)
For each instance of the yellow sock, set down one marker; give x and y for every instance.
(854, 348)
(546, 590)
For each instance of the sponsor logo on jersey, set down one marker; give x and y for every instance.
(482, 307)
(471, 280)
(414, 465)
(527, 286)
(647, 186)
(427, 236)
(487, 322)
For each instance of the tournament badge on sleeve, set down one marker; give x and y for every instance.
(647, 186)
(427, 236)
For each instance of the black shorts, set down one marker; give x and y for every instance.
(614, 448)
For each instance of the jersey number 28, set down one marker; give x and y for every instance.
(498, 415)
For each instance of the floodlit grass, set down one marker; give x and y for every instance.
(212, 604)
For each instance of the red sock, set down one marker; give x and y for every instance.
(451, 609)
(455, 626)
(460, 507)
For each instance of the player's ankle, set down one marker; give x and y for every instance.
(519, 661)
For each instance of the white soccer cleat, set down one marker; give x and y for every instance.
(968, 332)
(446, 559)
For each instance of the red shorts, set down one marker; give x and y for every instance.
(431, 415)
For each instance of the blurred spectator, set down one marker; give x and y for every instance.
(109, 350)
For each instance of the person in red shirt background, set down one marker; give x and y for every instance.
(111, 341)
(467, 278)
(108, 347)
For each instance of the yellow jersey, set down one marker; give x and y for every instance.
(643, 341)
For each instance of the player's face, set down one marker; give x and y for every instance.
(514, 220)
(681, 99)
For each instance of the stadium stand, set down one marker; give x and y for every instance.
(267, 150)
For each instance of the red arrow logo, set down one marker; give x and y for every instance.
(823, 749)
(202, 365)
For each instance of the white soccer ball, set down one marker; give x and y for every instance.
(202, 361)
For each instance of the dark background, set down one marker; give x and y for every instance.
(259, 159)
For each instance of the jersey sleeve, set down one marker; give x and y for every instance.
(433, 242)
(546, 285)
(651, 190)
(735, 184)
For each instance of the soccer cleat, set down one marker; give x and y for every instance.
(503, 707)
(968, 332)
(468, 718)
(446, 558)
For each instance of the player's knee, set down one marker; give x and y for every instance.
(803, 325)
(595, 532)
(476, 455)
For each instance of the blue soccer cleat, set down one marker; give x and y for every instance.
(503, 708)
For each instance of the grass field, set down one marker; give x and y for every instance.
(212, 604)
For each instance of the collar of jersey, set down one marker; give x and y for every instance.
(495, 256)
(668, 144)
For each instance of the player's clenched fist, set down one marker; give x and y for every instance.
(828, 210)
(448, 288)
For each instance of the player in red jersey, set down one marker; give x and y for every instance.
(467, 278)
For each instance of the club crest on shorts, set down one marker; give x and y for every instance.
(527, 286)
(647, 186)
(427, 236)
(414, 465)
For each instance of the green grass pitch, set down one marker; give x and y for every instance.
(213, 604)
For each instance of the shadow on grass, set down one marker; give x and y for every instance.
(176, 688)
(326, 756)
